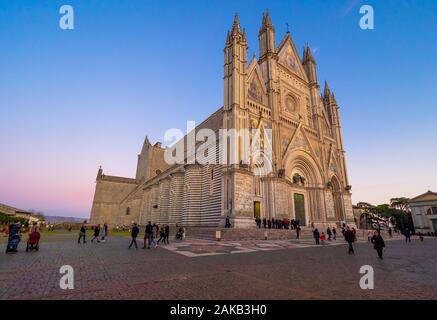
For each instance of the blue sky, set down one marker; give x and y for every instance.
(71, 100)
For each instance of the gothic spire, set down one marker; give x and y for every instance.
(333, 98)
(266, 23)
(307, 55)
(327, 92)
(228, 38)
(236, 26)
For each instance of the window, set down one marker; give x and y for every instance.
(290, 104)
(432, 210)
(211, 179)
(309, 113)
(257, 184)
(127, 211)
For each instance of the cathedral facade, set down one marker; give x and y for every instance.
(279, 92)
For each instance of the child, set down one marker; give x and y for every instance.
(323, 238)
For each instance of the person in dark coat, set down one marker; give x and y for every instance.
(96, 233)
(349, 236)
(378, 243)
(134, 234)
(227, 222)
(269, 224)
(148, 235)
(258, 222)
(167, 234)
(334, 233)
(297, 231)
(82, 234)
(316, 235)
(264, 223)
(329, 233)
(407, 235)
(161, 235)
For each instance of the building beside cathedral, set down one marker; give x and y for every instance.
(278, 91)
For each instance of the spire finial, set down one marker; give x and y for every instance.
(288, 30)
(236, 25)
(327, 91)
(307, 55)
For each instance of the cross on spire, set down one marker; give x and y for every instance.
(288, 31)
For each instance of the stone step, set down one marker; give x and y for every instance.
(231, 234)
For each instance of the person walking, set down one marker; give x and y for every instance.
(167, 234)
(334, 233)
(390, 233)
(227, 222)
(82, 234)
(269, 224)
(420, 236)
(407, 235)
(329, 233)
(104, 232)
(297, 231)
(96, 233)
(264, 222)
(316, 235)
(161, 235)
(134, 234)
(350, 239)
(155, 231)
(148, 235)
(378, 243)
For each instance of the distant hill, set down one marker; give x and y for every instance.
(59, 219)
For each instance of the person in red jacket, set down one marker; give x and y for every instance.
(33, 241)
(323, 237)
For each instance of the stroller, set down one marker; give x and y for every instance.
(13, 240)
(33, 242)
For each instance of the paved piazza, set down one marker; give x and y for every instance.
(218, 270)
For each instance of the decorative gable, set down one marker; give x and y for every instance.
(299, 141)
(334, 167)
(289, 58)
(429, 196)
(256, 87)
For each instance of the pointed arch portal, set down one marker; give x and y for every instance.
(303, 171)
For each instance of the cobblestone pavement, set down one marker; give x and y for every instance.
(294, 271)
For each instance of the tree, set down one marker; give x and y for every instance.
(365, 205)
(40, 215)
(401, 203)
